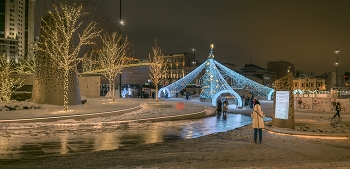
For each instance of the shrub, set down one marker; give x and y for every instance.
(21, 96)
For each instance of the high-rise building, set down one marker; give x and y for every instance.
(281, 68)
(16, 29)
(259, 75)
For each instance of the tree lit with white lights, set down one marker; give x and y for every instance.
(57, 42)
(8, 84)
(156, 65)
(112, 58)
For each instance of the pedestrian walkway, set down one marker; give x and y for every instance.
(102, 107)
(305, 121)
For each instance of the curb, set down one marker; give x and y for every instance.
(167, 118)
(299, 133)
(196, 115)
(73, 116)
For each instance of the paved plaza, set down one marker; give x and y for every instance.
(320, 145)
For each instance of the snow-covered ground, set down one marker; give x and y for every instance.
(231, 149)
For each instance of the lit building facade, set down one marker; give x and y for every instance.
(16, 29)
(309, 84)
(178, 66)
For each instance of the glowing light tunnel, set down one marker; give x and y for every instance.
(214, 84)
(181, 83)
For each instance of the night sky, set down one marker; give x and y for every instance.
(303, 32)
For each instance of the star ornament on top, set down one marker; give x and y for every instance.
(211, 51)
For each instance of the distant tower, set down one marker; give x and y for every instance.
(16, 28)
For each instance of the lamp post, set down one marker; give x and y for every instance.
(120, 43)
(337, 82)
(337, 64)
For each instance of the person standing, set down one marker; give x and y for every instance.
(243, 100)
(258, 123)
(337, 108)
(225, 106)
(300, 102)
(334, 104)
(218, 105)
(251, 102)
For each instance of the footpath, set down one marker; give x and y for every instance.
(306, 122)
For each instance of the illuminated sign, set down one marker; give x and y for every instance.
(282, 105)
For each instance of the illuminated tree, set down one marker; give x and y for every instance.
(57, 39)
(8, 84)
(156, 64)
(26, 66)
(90, 61)
(112, 58)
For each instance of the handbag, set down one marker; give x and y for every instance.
(259, 113)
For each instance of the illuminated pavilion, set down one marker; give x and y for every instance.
(214, 84)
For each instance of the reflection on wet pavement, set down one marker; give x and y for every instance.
(60, 138)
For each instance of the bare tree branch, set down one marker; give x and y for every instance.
(8, 84)
(157, 61)
(113, 58)
(57, 35)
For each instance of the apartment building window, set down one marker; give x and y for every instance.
(319, 84)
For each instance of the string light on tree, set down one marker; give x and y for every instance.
(8, 84)
(113, 58)
(156, 64)
(57, 40)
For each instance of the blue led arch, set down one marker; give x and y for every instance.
(214, 84)
(242, 82)
(180, 84)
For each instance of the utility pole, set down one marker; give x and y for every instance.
(120, 43)
(337, 64)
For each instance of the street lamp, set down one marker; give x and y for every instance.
(120, 43)
(337, 64)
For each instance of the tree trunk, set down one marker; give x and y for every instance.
(157, 93)
(65, 89)
(112, 90)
